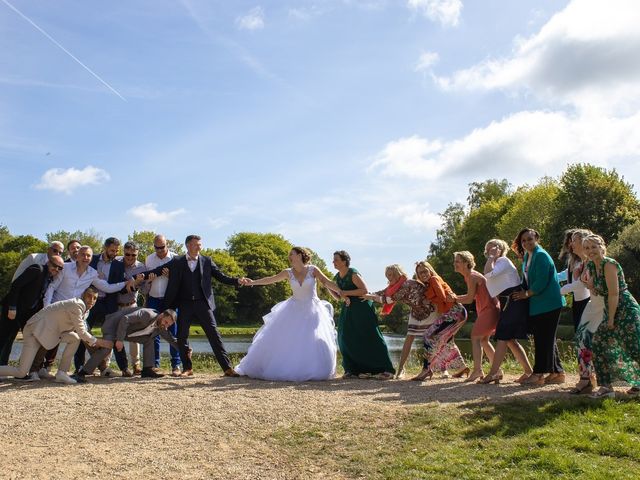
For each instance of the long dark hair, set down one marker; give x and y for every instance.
(516, 246)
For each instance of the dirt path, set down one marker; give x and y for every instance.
(205, 427)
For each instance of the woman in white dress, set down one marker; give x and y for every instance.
(298, 339)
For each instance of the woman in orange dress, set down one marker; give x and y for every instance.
(487, 308)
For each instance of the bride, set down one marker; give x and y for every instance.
(298, 339)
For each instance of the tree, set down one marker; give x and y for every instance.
(533, 207)
(90, 237)
(448, 240)
(489, 190)
(594, 198)
(226, 296)
(12, 251)
(626, 250)
(144, 240)
(260, 255)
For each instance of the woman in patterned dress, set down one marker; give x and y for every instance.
(409, 292)
(616, 343)
(364, 351)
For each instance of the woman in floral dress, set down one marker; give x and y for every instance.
(616, 343)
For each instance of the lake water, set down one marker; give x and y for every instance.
(240, 344)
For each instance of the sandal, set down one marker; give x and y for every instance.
(383, 376)
(364, 376)
(604, 392)
(633, 391)
(423, 375)
(523, 377)
(582, 388)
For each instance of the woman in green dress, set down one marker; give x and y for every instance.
(616, 343)
(364, 351)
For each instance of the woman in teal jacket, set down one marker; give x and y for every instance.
(542, 290)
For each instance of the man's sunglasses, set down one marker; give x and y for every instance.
(159, 247)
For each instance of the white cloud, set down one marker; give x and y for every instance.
(148, 213)
(66, 181)
(254, 20)
(426, 61)
(447, 12)
(219, 222)
(417, 215)
(585, 56)
(522, 147)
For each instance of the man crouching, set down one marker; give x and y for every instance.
(140, 325)
(60, 322)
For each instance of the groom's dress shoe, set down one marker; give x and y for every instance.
(148, 372)
(187, 373)
(230, 372)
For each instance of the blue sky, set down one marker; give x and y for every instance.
(341, 124)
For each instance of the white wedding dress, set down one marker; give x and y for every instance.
(298, 339)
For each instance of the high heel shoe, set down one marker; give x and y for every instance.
(423, 375)
(465, 371)
(495, 378)
(474, 376)
(584, 386)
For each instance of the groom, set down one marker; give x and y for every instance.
(189, 291)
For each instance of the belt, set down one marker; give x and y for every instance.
(127, 304)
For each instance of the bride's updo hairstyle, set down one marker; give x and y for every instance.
(303, 252)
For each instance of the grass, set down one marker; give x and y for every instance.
(576, 438)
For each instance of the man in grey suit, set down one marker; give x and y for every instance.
(134, 324)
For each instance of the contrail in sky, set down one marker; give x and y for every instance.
(6, 2)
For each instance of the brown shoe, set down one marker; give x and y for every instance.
(136, 369)
(230, 372)
(555, 379)
(187, 373)
(176, 372)
(127, 373)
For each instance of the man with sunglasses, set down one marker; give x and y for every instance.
(24, 300)
(55, 248)
(133, 269)
(155, 298)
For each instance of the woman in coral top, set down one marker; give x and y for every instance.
(441, 352)
(487, 308)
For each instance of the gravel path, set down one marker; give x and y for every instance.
(204, 427)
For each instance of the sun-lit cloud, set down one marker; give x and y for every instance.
(585, 56)
(447, 12)
(67, 180)
(254, 20)
(148, 213)
(426, 61)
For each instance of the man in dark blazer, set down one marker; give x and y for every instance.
(23, 300)
(189, 290)
(133, 324)
(112, 271)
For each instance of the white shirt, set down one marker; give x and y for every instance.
(33, 259)
(575, 285)
(68, 284)
(159, 285)
(192, 262)
(504, 275)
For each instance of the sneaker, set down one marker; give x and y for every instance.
(150, 373)
(127, 373)
(63, 377)
(79, 378)
(34, 376)
(108, 373)
(44, 374)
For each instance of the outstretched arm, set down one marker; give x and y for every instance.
(283, 275)
(321, 277)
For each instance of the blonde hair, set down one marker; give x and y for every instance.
(466, 257)
(598, 240)
(427, 266)
(501, 244)
(396, 269)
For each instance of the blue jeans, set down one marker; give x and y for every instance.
(158, 304)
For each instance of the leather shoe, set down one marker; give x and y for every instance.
(148, 372)
(127, 373)
(187, 373)
(230, 372)
(176, 372)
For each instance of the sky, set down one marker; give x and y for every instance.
(340, 124)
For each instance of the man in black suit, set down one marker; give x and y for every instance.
(189, 291)
(23, 300)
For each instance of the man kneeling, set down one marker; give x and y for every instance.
(140, 325)
(60, 322)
